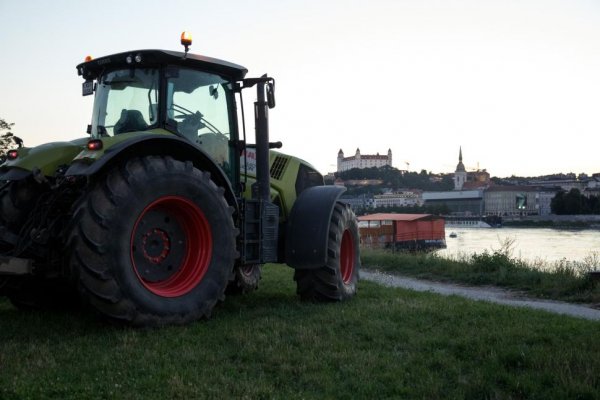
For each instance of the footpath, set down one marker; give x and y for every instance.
(481, 293)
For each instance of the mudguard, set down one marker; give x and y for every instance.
(15, 174)
(308, 227)
(43, 160)
(167, 145)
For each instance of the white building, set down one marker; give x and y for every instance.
(401, 199)
(362, 161)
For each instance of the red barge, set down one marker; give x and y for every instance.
(411, 232)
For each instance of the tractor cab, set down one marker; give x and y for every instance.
(157, 91)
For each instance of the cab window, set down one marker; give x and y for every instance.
(197, 107)
(126, 101)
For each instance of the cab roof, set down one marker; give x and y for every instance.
(154, 58)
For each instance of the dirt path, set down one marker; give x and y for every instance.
(491, 294)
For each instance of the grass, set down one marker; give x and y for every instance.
(385, 343)
(561, 280)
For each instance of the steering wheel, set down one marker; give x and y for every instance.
(183, 114)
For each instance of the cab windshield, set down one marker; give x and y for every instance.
(126, 101)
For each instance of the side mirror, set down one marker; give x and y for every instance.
(271, 94)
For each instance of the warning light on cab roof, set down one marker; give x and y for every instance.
(186, 38)
(186, 41)
(88, 58)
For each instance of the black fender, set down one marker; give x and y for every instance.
(159, 145)
(14, 174)
(308, 227)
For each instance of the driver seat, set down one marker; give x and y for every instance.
(130, 121)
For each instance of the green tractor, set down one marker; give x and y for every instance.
(165, 207)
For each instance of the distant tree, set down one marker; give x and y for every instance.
(6, 138)
(557, 204)
(573, 202)
(395, 179)
(594, 203)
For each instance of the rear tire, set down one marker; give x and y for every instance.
(337, 279)
(153, 243)
(17, 199)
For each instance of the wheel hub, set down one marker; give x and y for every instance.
(159, 246)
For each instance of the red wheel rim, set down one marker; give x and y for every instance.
(171, 246)
(347, 253)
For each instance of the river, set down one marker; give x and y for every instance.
(531, 244)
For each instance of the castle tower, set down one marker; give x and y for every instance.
(460, 175)
(340, 158)
(389, 159)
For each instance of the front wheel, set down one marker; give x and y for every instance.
(245, 279)
(337, 279)
(153, 243)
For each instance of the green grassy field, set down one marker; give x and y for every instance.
(385, 343)
(562, 280)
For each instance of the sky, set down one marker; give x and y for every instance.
(515, 83)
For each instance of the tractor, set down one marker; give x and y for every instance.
(165, 207)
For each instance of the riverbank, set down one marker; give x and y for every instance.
(559, 280)
(554, 221)
(550, 224)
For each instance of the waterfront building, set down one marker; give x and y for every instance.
(459, 202)
(406, 198)
(360, 202)
(593, 186)
(564, 184)
(545, 197)
(363, 160)
(505, 201)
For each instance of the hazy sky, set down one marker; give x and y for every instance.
(515, 83)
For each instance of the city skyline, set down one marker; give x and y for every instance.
(458, 158)
(514, 82)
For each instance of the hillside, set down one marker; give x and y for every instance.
(393, 178)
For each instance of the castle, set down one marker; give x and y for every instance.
(362, 161)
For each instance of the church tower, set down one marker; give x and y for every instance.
(460, 175)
